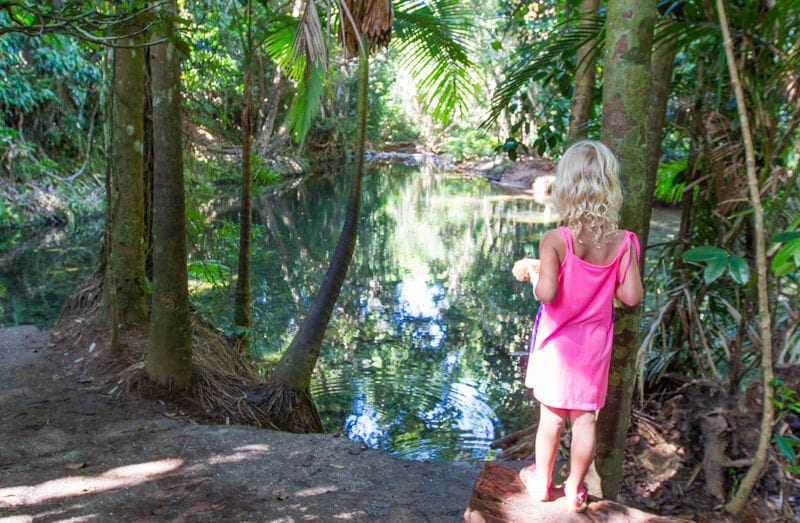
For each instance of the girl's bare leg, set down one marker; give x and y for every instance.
(581, 450)
(548, 436)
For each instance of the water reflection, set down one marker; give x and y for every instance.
(422, 357)
(40, 267)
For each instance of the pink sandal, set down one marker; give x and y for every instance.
(580, 501)
(529, 478)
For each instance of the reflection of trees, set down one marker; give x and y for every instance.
(404, 374)
(54, 260)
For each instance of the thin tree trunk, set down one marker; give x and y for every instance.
(626, 100)
(584, 80)
(242, 305)
(663, 63)
(737, 503)
(267, 127)
(169, 348)
(286, 399)
(127, 255)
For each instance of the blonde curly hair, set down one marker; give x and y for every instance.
(587, 192)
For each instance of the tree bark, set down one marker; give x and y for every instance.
(127, 254)
(584, 80)
(663, 63)
(285, 399)
(169, 349)
(242, 306)
(739, 500)
(626, 99)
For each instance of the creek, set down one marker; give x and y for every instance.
(425, 352)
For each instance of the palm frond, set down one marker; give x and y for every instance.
(305, 104)
(543, 59)
(432, 41)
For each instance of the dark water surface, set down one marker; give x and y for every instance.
(425, 350)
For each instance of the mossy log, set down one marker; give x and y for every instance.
(499, 496)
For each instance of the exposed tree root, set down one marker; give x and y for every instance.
(221, 372)
(288, 409)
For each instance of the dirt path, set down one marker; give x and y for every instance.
(69, 451)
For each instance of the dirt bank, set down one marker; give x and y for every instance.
(72, 452)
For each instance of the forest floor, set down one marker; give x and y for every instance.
(76, 446)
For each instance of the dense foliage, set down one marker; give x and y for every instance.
(460, 78)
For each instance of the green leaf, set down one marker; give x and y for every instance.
(705, 253)
(740, 271)
(715, 268)
(787, 259)
(785, 236)
(786, 446)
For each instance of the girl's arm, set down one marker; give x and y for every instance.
(630, 290)
(547, 286)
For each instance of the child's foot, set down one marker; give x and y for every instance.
(580, 500)
(536, 484)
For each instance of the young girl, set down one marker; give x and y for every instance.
(581, 268)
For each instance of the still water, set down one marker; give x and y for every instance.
(424, 354)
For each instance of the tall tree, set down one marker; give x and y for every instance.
(582, 98)
(242, 306)
(626, 99)
(126, 303)
(169, 349)
(286, 398)
(433, 43)
(737, 503)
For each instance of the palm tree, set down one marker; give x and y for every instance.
(285, 399)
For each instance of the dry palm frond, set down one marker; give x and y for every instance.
(309, 42)
(726, 155)
(373, 19)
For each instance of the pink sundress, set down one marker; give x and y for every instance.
(570, 348)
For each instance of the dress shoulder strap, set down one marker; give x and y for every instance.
(630, 242)
(567, 235)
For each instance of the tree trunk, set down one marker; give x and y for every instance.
(739, 500)
(626, 99)
(242, 307)
(126, 272)
(169, 349)
(268, 125)
(285, 399)
(584, 80)
(663, 63)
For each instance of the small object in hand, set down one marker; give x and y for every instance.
(525, 269)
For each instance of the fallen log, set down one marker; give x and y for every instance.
(499, 496)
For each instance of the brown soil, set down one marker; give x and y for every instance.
(76, 449)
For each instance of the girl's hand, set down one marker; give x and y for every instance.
(526, 269)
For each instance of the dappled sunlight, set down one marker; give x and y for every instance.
(317, 491)
(70, 486)
(240, 454)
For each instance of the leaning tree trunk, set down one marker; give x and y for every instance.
(169, 349)
(124, 288)
(584, 79)
(737, 503)
(626, 97)
(285, 400)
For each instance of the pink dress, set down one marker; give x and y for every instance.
(571, 345)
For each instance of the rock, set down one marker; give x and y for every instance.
(499, 496)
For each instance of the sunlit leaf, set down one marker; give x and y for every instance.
(740, 271)
(787, 258)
